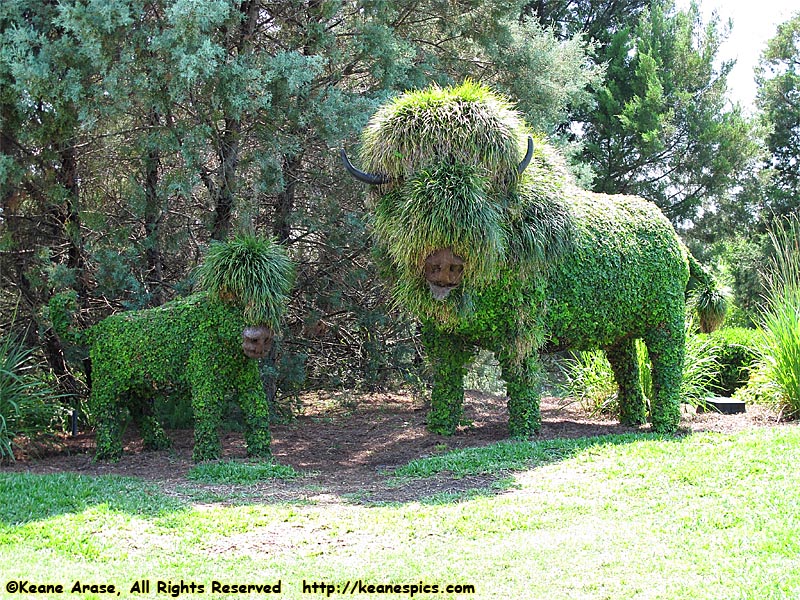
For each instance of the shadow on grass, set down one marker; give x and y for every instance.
(26, 497)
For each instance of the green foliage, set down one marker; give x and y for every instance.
(545, 262)
(778, 79)
(589, 379)
(191, 346)
(132, 133)
(28, 405)
(255, 272)
(736, 349)
(662, 126)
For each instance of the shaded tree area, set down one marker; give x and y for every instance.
(662, 125)
(134, 132)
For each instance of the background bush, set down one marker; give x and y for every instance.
(28, 405)
(736, 349)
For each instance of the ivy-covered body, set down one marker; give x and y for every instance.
(202, 346)
(624, 277)
(189, 346)
(534, 262)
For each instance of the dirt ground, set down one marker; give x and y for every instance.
(345, 444)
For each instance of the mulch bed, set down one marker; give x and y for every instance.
(345, 443)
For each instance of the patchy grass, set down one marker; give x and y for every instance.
(505, 456)
(705, 516)
(237, 472)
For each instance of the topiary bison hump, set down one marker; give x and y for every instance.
(491, 245)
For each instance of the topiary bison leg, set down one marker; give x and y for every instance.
(632, 402)
(448, 355)
(110, 415)
(153, 434)
(665, 345)
(207, 405)
(255, 407)
(523, 381)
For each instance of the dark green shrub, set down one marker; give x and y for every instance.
(736, 349)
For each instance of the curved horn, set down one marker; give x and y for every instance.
(527, 159)
(361, 175)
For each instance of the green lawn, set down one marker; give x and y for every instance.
(704, 516)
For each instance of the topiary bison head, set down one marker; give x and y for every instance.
(254, 274)
(449, 209)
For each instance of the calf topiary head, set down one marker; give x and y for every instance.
(461, 191)
(255, 274)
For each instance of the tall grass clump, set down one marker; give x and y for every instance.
(251, 270)
(589, 378)
(28, 406)
(776, 376)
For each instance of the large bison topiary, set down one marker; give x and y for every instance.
(205, 345)
(492, 246)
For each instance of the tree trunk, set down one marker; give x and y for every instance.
(153, 214)
(284, 203)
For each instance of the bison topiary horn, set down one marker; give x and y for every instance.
(368, 178)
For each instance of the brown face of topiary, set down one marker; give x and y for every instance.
(257, 341)
(444, 271)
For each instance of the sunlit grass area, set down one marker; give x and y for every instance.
(702, 516)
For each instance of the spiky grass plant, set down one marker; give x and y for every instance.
(711, 307)
(253, 271)
(777, 375)
(28, 405)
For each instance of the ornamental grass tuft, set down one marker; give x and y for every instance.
(775, 378)
(255, 272)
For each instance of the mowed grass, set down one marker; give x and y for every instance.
(708, 516)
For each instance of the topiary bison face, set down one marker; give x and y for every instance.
(444, 271)
(257, 341)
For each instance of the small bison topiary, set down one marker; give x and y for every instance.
(205, 345)
(491, 245)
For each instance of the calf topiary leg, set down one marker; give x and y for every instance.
(110, 415)
(153, 434)
(207, 405)
(666, 347)
(255, 407)
(448, 355)
(632, 402)
(523, 381)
